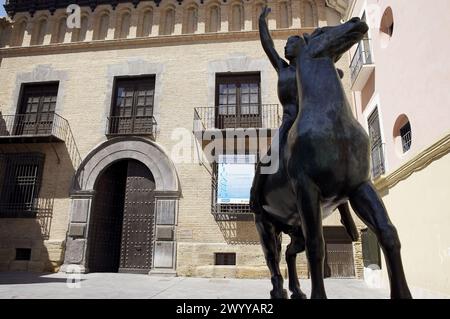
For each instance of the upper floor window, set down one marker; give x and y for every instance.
(36, 110)
(238, 100)
(132, 110)
(405, 133)
(20, 178)
(402, 135)
(386, 27)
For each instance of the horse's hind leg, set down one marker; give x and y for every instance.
(270, 239)
(296, 246)
(369, 207)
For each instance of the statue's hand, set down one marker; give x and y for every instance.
(265, 12)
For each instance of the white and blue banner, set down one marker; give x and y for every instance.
(235, 177)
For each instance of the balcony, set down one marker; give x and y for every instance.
(361, 66)
(33, 128)
(131, 125)
(267, 116)
(264, 118)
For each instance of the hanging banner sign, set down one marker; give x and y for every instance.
(235, 177)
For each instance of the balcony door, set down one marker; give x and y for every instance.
(37, 109)
(238, 101)
(132, 111)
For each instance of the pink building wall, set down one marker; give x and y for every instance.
(412, 73)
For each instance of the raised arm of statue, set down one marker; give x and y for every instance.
(266, 41)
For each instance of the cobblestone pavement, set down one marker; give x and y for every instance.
(109, 285)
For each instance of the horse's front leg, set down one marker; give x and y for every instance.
(308, 201)
(270, 239)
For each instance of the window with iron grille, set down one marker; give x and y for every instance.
(20, 177)
(132, 110)
(225, 259)
(405, 133)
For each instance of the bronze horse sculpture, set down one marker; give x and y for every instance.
(324, 163)
(287, 92)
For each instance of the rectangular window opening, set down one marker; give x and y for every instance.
(225, 259)
(23, 253)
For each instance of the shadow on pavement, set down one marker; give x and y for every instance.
(22, 278)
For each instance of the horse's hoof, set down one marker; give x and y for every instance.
(298, 295)
(279, 294)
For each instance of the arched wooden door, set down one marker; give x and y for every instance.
(122, 220)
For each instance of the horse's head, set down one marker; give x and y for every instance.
(332, 42)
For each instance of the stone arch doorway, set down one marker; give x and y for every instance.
(120, 230)
(109, 159)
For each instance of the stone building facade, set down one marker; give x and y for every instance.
(106, 118)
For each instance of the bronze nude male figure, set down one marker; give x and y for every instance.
(324, 162)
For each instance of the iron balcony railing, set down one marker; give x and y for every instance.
(44, 127)
(132, 125)
(378, 165)
(232, 117)
(34, 125)
(362, 57)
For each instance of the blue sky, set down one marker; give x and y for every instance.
(2, 10)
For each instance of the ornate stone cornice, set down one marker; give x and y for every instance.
(340, 6)
(117, 44)
(417, 163)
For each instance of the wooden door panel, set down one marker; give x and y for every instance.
(339, 260)
(138, 220)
